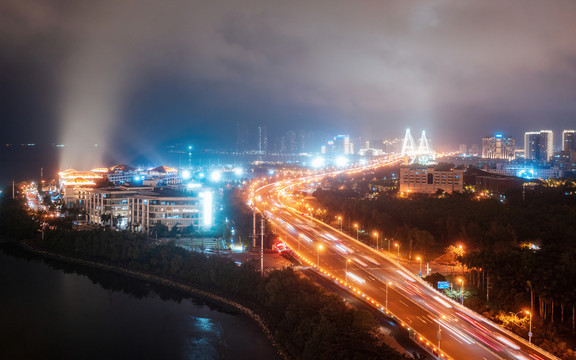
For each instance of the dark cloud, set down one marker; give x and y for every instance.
(461, 69)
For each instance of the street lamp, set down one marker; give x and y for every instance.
(461, 290)
(516, 315)
(387, 283)
(530, 331)
(347, 261)
(340, 221)
(318, 255)
(440, 332)
(376, 234)
(298, 243)
(357, 230)
(398, 247)
(420, 258)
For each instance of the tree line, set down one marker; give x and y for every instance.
(310, 322)
(521, 246)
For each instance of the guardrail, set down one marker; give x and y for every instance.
(422, 282)
(456, 304)
(420, 339)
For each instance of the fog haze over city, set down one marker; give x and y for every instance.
(133, 75)
(307, 179)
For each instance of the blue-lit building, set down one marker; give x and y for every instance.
(527, 171)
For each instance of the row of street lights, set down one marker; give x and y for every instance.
(388, 283)
(461, 281)
(397, 245)
(377, 236)
(320, 247)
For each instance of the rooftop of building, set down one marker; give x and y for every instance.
(147, 191)
(436, 167)
(164, 192)
(122, 168)
(162, 170)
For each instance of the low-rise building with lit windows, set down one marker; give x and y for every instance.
(123, 174)
(76, 186)
(429, 179)
(171, 208)
(113, 202)
(142, 208)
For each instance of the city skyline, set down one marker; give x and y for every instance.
(98, 73)
(300, 179)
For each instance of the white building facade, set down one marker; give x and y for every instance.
(141, 208)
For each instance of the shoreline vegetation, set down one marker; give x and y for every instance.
(301, 319)
(174, 284)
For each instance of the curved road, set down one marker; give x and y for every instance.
(451, 330)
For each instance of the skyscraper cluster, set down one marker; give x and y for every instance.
(258, 139)
(538, 146)
(341, 145)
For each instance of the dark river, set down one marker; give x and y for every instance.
(51, 310)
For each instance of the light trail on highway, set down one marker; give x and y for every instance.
(445, 327)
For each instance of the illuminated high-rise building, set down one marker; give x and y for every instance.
(539, 145)
(342, 145)
(569, 140)
(262, 139)
(242, 137)
(498, 147)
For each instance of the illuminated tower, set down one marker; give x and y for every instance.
(423, 147)
(408, 147)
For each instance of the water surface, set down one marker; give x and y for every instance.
(52, 310)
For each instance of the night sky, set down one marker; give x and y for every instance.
(133, 74)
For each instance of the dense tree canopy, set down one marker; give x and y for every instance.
(523, 246)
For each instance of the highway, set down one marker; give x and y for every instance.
(450, 330)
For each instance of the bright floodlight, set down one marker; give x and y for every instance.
(206, 208)
(216, 176)
(318, 162)
(238, 171)
(271, 172)
(185, 174)
(341, 161)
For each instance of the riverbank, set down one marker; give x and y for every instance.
(162, 281)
